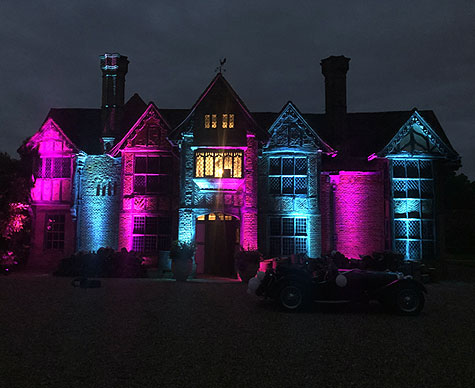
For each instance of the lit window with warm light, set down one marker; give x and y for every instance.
(214, 121)
(228, 120)
(207, 121)
(218, 164)
(225, 120)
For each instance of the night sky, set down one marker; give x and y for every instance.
(404, 54)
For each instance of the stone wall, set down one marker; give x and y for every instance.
(98, 203)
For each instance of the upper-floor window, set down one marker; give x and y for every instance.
(227, 120)
(218, 164)
(53, 168)
(152, 174)
(287, 175)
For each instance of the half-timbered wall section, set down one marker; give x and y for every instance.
(53, 228)
(148, 185)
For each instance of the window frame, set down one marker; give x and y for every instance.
(147, 175)
(412, 190)
(286, 180)
(157, 227)
(216, 163)
(54, 238)
(45, 167)
(281, 242)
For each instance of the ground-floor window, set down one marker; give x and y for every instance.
(54, 231)
(151, 234)
(287, 235)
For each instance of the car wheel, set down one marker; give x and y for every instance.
(409, 301)
(292, 297)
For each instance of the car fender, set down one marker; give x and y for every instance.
(306, 282)
(398, 283)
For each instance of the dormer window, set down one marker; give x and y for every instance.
(218, 164)
(211, 121)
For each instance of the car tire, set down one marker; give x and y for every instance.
(408, 301)
(293, 297)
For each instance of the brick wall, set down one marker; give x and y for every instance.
(359, 212)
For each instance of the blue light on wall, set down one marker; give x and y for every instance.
(99, 203)
(413, 208)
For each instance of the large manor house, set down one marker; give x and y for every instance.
(136, 176)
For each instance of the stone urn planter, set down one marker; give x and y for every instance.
(181, 255)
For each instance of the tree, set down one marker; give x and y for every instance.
(15, 187)
(460, 209)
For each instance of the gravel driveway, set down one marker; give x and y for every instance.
(149, 333)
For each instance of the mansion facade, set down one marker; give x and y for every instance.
(136, 176)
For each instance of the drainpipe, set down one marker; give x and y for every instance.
(333, 237)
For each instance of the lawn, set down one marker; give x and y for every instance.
(150, 333)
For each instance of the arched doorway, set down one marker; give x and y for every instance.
(217, 238)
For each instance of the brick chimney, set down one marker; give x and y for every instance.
(334, 70)
(114, 68)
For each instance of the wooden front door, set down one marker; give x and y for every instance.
(221, 239)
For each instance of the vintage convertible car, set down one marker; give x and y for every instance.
(295, 287)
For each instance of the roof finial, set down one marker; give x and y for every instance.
(220, 69)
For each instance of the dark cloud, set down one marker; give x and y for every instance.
(404, 54)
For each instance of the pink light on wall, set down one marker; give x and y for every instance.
(359, 212)
(126, 224)
(249, 209)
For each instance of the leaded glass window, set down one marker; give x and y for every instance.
(54, 231)
(151, 234)
(288, 175)
(152, 174)
(218, 164)
(53, 168)
(283, 232)
(413, 208)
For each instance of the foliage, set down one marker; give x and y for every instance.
(105, 263)
(15, 187)
(243, 258)
(181, 251)
(460, 214)
(247, 263)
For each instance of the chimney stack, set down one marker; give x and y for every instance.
(334, 69)
(114, 67)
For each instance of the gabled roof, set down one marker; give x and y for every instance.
(291, 130)
(368, 132)
(221, 84)
(151, 113)
(417, 137)
(48, 125)
(84, 126)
